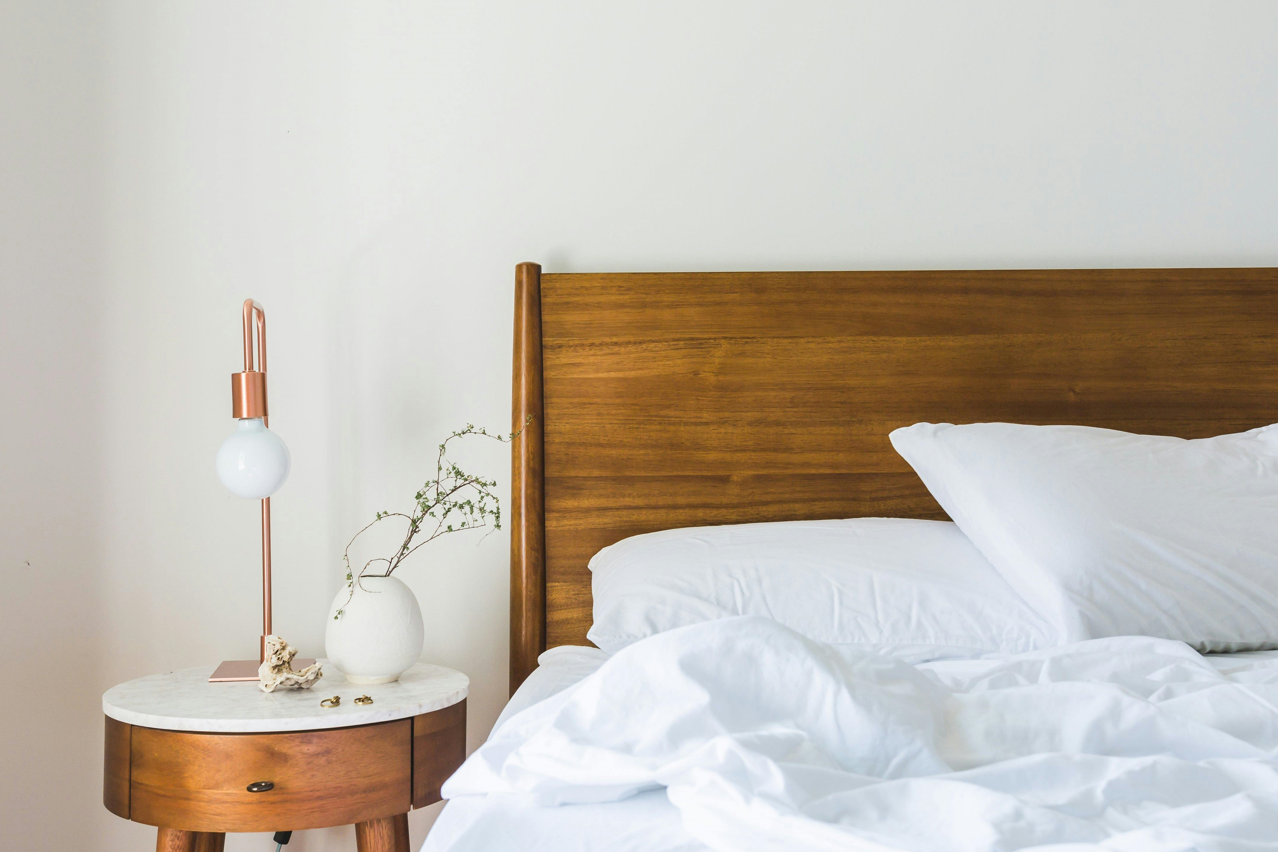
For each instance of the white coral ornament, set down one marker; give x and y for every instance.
(277, 670)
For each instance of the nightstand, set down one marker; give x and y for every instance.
(199, 759)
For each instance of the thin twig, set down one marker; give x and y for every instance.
(438, 498)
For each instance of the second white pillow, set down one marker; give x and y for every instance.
(915, 589)
(1108, 533)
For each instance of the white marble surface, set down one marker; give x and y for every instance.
(185, 701)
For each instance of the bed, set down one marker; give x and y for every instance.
(669, 400)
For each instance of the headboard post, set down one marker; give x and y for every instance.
(527, 483)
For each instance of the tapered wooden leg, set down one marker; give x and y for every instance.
(383, 835)
(174, 840)
(210, 841)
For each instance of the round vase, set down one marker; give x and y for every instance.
(379, 634)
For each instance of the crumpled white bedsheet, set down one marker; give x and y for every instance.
(765, 740)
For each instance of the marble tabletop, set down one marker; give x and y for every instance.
(186, 701)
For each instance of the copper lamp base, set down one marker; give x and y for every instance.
(233, 671)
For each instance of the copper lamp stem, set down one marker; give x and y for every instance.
(266, 577)
(253, 311)
(261, 337)
(248, 334)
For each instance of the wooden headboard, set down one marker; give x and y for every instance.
(681, 399)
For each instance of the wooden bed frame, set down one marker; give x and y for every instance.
(681, 399)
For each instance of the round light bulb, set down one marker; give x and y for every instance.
(252, 462)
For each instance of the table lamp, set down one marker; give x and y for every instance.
(253, 462)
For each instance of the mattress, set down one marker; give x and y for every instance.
(645, 822)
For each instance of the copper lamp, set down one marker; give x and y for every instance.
(253, 462)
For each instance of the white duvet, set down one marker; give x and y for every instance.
(764, 740)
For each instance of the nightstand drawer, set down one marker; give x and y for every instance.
(199, 782)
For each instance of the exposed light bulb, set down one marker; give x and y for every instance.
(252, 462)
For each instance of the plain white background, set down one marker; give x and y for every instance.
(371, 172)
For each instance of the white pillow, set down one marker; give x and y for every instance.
(915, 589)
(1108, 534)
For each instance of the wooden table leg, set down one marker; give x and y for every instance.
(210, 841)
(174, 840)
(389, 834)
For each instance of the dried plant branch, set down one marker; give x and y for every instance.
(470, 501)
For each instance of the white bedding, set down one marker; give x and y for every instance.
(557, 669)
(914, 589)
(746, 736)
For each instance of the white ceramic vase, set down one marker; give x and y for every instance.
(379, 634)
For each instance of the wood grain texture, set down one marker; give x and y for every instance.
(210, 841)
(439, 747)
(115, 767)
(340, 776)
(389, 834)
(681, 399)
(527, 515)
(175, 840)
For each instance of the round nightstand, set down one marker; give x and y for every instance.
(199, 759)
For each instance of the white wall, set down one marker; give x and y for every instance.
(371, 172)
(51, 487)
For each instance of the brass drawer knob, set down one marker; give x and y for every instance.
(261, 786)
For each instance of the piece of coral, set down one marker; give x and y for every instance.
(277, 670)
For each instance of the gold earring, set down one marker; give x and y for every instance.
(363, 699)
(331, 702)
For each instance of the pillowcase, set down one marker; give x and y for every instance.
(915, 589)
(1108, 533)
